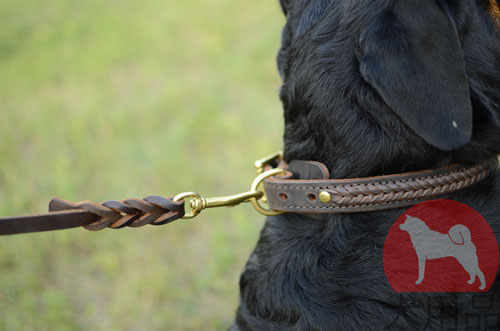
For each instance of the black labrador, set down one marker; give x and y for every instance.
(370, 88)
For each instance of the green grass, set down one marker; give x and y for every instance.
(113, 99)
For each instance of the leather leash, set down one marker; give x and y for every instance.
(301, 187)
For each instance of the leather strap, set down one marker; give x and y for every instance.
(303, 195)
(63, 214)
(46, 222)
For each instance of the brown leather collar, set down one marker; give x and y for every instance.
(307, 188)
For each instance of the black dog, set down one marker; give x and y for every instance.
(371, 88)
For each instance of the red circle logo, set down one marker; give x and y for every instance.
(441, 246)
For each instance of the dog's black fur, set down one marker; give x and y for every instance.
(371, 88)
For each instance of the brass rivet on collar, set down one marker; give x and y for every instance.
(325, 196)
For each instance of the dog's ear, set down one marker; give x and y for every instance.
(412, 56)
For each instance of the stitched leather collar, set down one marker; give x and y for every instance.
(307, 188)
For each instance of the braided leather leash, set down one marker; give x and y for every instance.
(154, 210)
(63, 214)
(301, 187)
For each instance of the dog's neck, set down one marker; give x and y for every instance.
(358, 152)
(373, 161)
(355, 150)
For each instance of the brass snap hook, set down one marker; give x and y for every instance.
(198, 203)
(256, 195)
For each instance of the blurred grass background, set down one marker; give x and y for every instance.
(113, 99)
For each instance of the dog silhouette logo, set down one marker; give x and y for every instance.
(431, 245)
(441, 246)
